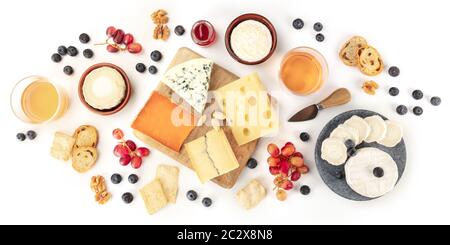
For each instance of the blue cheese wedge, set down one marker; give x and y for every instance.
(211, 155)
(190, 80)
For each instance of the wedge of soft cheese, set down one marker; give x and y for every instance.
(190, 80)
(211, 155)
(248, 108)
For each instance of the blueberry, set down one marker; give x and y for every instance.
(394, 71)
(402, 110)
(320, 37)
(140, 67)
(378, 172)
(305, 190)
(56, 58)
(318, 27)
(179, 30)
(133, 179)
(68, 70)
(62, 50)
(84, 38)
(349, 144)
(394, 91)
(351, 152)
(304, 137)
(88, 53)
(435, 101)
(252, 163)
(116, 178)
(417, 110)
(191, 195)
(340, 175)
(72, 51)
(298, 24)
(417, 94)
(31, 134)
(153, 70)
(207, 202)
(21, 136)
(127, 197)
(156, 56)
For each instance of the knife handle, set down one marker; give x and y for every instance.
(339, 97)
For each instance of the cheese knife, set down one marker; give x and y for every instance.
(339, 97)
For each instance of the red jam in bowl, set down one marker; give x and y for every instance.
(203, 33)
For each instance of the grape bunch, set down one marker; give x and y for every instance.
(128, 151)
(287, 165)
(119, 41)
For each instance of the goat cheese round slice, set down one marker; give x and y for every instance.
(344, 133)
(393, 136)
(334, 151)
(378, 128)
(359, 124)
(359, 172)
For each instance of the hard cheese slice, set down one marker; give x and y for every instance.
(248, 109)
(190, 80)
(211, 155)
(164, 121)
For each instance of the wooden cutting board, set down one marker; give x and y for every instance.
(219, 78)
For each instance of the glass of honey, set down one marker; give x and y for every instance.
(303, 70)
(37, 100)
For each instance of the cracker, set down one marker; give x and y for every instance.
(168, 177)
(86, 135)
(251, 195)
(62, 146)
(84, 158)
(153, 196)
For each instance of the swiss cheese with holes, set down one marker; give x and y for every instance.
(248, 108)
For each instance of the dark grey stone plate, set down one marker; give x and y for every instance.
(329, 172)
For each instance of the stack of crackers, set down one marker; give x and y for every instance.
(357, 52)
(162, 190)
(81, 147)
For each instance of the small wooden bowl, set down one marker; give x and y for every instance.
(112, 110)
(260, 19)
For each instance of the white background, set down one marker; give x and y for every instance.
(36, 189)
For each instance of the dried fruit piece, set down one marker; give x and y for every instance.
(370, 87)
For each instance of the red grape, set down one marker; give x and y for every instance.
(125, 160)
(297, 154)
(110, 31)
(120, 151)
(128, 39)
(295, 176)
(136, 162)
(273, 150)
(281, 195)
(287, 185)
(288, 150)
(118, 134)
(297, 161)
(131, 145)
(112, 49)
(303, 169)
(273, 161)
(143, 151)
(134, 48)
(274, 170)
(284, 167)
(118, 36)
